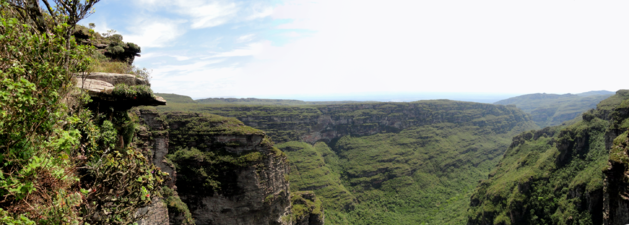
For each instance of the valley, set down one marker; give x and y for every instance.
(84, 139)
(553, 109)
(385, 163)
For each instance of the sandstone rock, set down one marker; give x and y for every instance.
(155, 142)
(313, 214)
(101, 86)
(115, 78)
(95, 86)
(256, 192)
(328, 122)
(154, 214)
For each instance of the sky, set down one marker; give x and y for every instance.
(396, 50)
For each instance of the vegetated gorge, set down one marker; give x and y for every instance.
(84, 140)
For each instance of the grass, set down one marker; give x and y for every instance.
(291, 123)
(551, 174)
(310, 171)
(103, 64)
(421, 168)
(174, 98)
(421, 175)
(124, 91)
(552, 109)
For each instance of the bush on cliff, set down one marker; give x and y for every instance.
(554, 175)
(60, 164)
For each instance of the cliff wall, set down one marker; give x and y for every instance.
(385, 162)
(571, 174)
(218, 171)
(328, 122)
(229, 173)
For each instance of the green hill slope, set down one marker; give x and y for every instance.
(259, 101)
(385, 163)
(555, 175)
(552, 109)
(175, 98)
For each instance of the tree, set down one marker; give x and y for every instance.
(64, 12)
(57, 165)
(69, 12)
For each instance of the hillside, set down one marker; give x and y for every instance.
(552, 109)
(557, 175)
(175, 98)
(385, 163)
(258, 101)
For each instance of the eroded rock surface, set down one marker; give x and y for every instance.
(247, 178)
(105, 94)
(154, 214)
(327, 122)
(116, 78)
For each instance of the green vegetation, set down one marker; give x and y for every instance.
(174, 98)
(61, 164)
(420, 175)
(553, 109)
(206, 172)
(304, 204)
(278, 102)
(292, 123)
(555, 173)
(421, 171)
(200, 171)
(310, 170)
(124, 91)
(176, 207)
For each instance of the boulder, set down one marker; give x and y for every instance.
(102, 90)
(115, 78)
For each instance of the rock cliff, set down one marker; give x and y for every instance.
(328, 122)
(219, 171)
(571, 174)
(381, 162)
(228, 173)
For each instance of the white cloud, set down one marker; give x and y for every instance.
(249, 50)
(246, 38)
(210, 13)
(205, 14)
(155, 55)
(154, 32)
(417, 46)
(260, 13)
(171, 70)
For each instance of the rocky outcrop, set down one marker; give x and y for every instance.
(151, 136)
(153, 139)
(562, 162)
(110, 45)
(306, 209)
(115, 78)
(120, 91)
(616, 187)
(154, 214)
(228, 173)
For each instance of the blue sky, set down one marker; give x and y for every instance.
(398, 50)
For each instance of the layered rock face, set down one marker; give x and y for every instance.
(120, 91)
(228, 173)
(571, 174)
(325, 123)
(616, 187)
(154, 214)
(150, 135)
